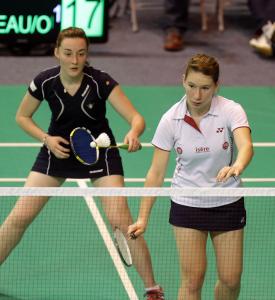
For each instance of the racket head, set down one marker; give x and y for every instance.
(122, 247)
(80, 139)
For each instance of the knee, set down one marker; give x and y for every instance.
(193, 284)
(231, 280)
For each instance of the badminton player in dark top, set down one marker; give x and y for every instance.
(76, 94)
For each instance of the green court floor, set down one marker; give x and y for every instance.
(63, 256)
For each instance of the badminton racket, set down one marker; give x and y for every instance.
(123, 247)
(80, 140)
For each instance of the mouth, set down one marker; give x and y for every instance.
(196, 103)
(74, 69)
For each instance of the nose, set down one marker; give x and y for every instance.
(197, 93)
(74, 59)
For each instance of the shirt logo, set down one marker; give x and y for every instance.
(179, 150)
(225, 145)
(33, 86)
(202, 149)
(219, 129)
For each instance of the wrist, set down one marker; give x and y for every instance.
(45, 140)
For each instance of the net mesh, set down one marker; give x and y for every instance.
(68, 251)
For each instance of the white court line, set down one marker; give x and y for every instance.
(138, 180)
(145, 145)
(109, 244)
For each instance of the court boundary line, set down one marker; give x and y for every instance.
(108, 241)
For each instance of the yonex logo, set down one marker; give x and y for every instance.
(219, 129)
(96, 171)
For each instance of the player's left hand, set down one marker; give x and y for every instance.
(227, 172)
(133, 141)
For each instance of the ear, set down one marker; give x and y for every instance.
(183, 79)
(56, 54)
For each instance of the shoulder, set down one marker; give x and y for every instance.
(176, 111)
(103, 82)
(227, 105)
(95, 74)
(42, 82)
(47, 75)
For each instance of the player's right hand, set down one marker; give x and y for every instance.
(54, 144)
(136, 229)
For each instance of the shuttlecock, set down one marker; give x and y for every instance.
(93, 144)
(103, 140)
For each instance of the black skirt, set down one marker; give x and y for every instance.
(109, 163)
(222, 218)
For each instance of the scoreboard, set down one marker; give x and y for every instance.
(40, 21)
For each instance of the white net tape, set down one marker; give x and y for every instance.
(137, 192)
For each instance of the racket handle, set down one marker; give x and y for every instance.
(126, 146)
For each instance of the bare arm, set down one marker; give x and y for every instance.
(125, 108)
(25, 112)
(243, 141)
(154, 178)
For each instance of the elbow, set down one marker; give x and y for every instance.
(251, 150)
(143, 124)
(17, 119)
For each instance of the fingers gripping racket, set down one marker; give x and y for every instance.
(80, 139)
(122, 247)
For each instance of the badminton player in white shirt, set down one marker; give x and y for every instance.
(203, 129)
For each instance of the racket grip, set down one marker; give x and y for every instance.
(126, 146)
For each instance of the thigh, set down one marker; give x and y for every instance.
(191, 244)
(115, 208)
(30, 206)
(228, 247)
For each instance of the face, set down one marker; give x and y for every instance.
(199, 90)
(72, 56)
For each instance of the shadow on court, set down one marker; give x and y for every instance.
(7, 297)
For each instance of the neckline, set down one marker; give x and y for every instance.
(77, 91)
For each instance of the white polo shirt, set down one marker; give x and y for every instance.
(201, 152)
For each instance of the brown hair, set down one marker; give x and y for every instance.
(71, 32)
(205, 64)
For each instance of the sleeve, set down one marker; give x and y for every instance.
(36, 88)
(237, 117)
(163, 137)
(106, 84)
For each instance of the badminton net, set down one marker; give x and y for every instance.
(68, 251)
